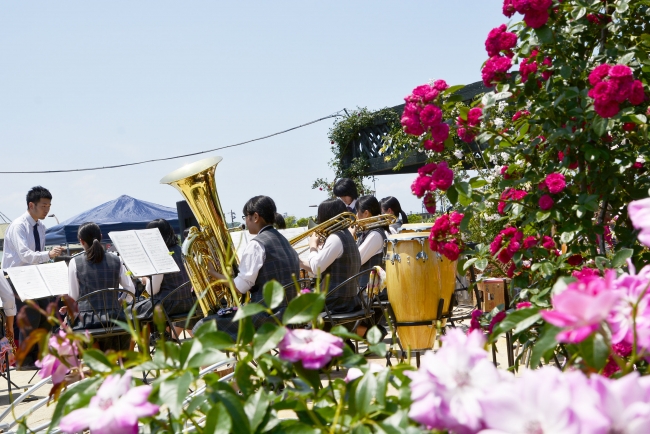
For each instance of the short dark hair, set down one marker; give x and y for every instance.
(166, 230)
(263, 206)
(90, 234)
(369, 203)
(37, 193)
(392, 203)
(279, 221)
(330, 208)
(346, 187)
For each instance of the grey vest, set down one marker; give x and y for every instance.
(280, 263)
(344, 267)
(171, 281)
(93, 277)
(377, 259)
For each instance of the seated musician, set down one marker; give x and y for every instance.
(371, 249)
(390, 205)
(338, 257)
(266, 257)
(279, 221)
(92, 271)
(346, 190)
(160, 286)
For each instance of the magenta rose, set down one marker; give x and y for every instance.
(546, 202)
(314, 348)
(555, 182)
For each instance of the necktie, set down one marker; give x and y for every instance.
(37, 238)
(349, 209)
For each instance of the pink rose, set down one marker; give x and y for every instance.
(314, 348)
(524, 305)
(430, 115)
(495, 69)
(431, 145)
(546, 202)
(530, 242)
(442, 177)
(421, 185)
(500, 40)
(555, 182)
(430, 202)
(440, 133)
(440, 85)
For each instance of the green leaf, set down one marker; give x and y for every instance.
(488, 100)
(592, 154)
(304, 308)
(513, 319)
(621, 257)
(544, 34)
(601, 262)
(545, 344)
(224, 394)
(542, 215)
(97, 361)
(626, 58)
(639, 119)
(267, 337)
(255, 408)
(75, 396)
(273, 294)
(463, 187)
(481, 264)
(565, 71)
(452, 195)
(599, 126)
(216, 340)
(373, 335)
(207, 357)
(547, 269)
(173, 391)
(622, 6)
(594, 351)
(469, 263)
(366, 389)
(247, 310)
(342, 332)
(477, 182)
(567, 237)
(218, 420)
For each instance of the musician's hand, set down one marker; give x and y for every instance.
(9, 329)
(56, 251)
(144, 280)
(353, 231)
(63, 311)
(213, 272)
(313, 241)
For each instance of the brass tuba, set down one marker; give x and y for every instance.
(341, 221)
(373, 222)
(210, 244)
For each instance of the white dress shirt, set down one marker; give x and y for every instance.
(320, 260)
(125, 280)
(372, 245)
(7, 297)
(19, 245)
(251, 262)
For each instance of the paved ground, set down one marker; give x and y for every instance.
(43, 414)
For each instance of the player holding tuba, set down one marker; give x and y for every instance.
(266, 257)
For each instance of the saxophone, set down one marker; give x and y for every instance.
(209, 245)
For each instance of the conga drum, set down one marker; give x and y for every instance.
(417, 280)
(415, 227)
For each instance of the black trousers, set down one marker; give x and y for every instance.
(35, 321)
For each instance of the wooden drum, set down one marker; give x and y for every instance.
(417, 279)
(415, 227)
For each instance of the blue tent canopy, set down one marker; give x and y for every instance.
(122, 214)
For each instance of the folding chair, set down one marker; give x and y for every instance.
(182, 317)
(110, 309)
(364, 313)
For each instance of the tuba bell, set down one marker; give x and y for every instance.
(209, 245)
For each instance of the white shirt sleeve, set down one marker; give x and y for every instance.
(332, 250)
(125, 279)
(393, 230)
(17, 237)
(154, 284)
(252, 260)
(7, 297)
(372, 245)
(72, 280)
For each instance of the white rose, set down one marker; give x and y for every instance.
(458, 154)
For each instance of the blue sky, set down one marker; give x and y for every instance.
(96, 83)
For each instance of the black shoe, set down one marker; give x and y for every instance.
(28, 368)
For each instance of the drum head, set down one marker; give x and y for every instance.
(415, 227)
(408, 236)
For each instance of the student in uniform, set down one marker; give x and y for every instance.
(346, 190)
(92, 271)
(390, 205)
(268, 256)
(337, 258)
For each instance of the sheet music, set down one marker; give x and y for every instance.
(157, 250)
(132, 252)
(55, 276)
(28, 282)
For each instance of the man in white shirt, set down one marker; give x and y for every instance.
(24, 244)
